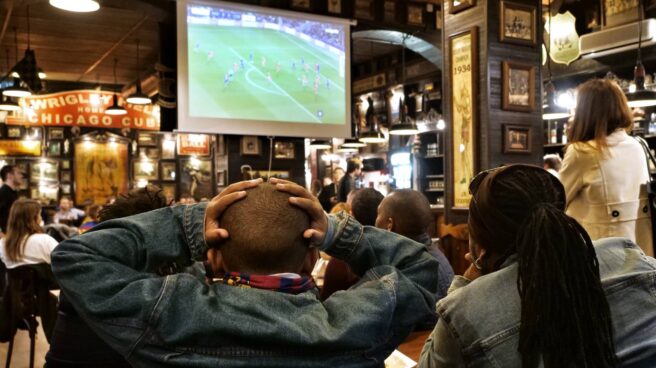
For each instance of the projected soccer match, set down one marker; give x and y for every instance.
(250, 65)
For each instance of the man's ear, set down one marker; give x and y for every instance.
(311, 258)
(215, 259)
(390, 224)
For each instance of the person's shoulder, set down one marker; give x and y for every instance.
(42, 238)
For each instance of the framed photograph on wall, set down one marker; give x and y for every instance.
(14, 132)
(618, 12)
(167, 170)
(66, 188)
(518, 89)
(44, 171)
(463, 73)
(283, 150)
(54, 149)
(456, 6)
(335, 6)
(147, 139)
(65, 165)
(415, 15)
(65, 176)
(300, 4)
(196, 178)
(364, 9)
(168, 149)
(516, 139)
(389, 11)
(144, 170)
(55, 133)
(250, 146)
(517, 23)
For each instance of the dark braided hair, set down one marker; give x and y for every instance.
(565, 318)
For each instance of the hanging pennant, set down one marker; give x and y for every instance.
(564, 46)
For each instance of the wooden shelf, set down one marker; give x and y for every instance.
(434, 190)
(433, 156)
(554, 145)
(436, 176)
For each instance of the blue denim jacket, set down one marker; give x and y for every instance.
(479, 320)
(179, 320)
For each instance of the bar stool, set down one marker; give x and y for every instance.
(22, 294)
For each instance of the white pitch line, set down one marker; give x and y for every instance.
(336, 85)
(281, 90)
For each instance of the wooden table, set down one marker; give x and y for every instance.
(414, 343)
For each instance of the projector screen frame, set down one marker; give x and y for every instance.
(191, 124)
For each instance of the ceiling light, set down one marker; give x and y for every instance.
(353, 143)
(115, 109)
(42, 74)
(79, 6)
(343, 149)
(17, 90)
(551, 110)
(138, 97)
(441, 124)
(403, 129)
(9, 105)
(372, 137)
(320, 144)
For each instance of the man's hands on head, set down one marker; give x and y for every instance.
(214, 234)
(310, 204)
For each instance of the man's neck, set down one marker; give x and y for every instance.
(11, 185)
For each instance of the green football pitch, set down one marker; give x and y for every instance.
(274, 77)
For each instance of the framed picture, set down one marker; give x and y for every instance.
(301, 4)
(147, 139)
(517, 23)
(65, 165)
(416, 15)
(152, 153)
(44, 171)
(335, 6)
(221, 178)
(54, 149)
(516, 139)
(364, 9)
(109, 175)
(65, 188)
(389, 11)
(168, 149)
(463, 73)
(518, 90)
(167, 170)
(56, 133)
(65, 176)
(193, 144)
(14, 132)
(456, 6)
(142, 169)
(250, 146)
(196, 178)
(283, 150)
(618, 12)
(280, 174)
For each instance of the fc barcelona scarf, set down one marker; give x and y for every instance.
(290, 285)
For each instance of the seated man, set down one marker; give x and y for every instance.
(67, 213)
(407, 212)
(265, 312)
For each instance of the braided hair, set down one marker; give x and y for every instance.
(565, 317)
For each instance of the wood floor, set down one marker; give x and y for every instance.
(21, 355)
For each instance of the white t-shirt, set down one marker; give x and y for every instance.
(37, 250)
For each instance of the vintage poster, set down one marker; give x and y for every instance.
(463, 72)
(101, 171)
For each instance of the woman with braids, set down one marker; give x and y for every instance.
(604, 170)
(537, 294)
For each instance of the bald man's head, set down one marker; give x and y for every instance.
(266, 233)
(406, 212)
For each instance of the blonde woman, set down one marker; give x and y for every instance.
(24, 242)
(604, 170)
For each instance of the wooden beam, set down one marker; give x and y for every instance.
(5, 24)
(113, 47)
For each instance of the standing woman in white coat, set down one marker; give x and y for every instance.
(604, 170)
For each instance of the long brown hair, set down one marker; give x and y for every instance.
(23, 221)
(601, 109)
(565, 318)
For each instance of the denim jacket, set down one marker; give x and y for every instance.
(179, 320)
(479, 320)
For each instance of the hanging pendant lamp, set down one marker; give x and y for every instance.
(641, 97)
(115, 109)
(6, 103)
(320, 144)
(78, 6)
(16, 90)
(551, 110)
(138, 97)
(405, 126)
(373, 135)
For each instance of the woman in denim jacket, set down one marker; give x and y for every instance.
(533, 295)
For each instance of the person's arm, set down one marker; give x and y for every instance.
(441, 349)
(570, 173)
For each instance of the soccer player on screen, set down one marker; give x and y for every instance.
(235, 67)
(277, 67)
(197, 47)
(241, 62)
(317, 67)
(226, 80)
(210, 55)
(250, 57)
(263, 62)
(293, 65)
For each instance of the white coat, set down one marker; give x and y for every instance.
(607, 193)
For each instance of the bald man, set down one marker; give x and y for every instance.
(407, 212)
